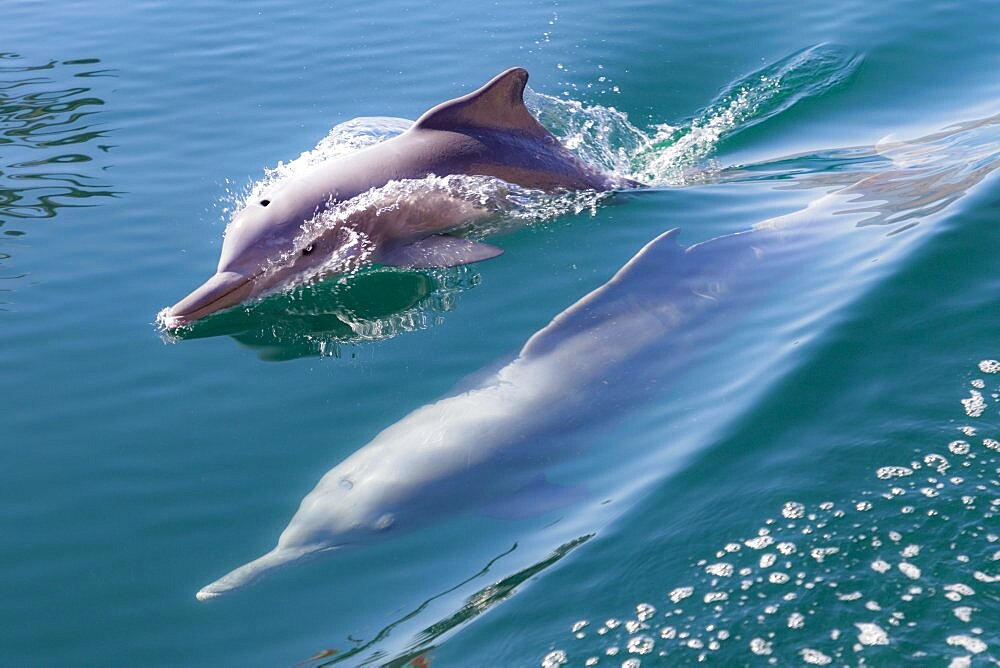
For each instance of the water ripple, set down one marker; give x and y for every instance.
(52, 143)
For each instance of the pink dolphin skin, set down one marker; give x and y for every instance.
(488, 132)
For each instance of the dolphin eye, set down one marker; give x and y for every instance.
(265, 202)
(308, 249)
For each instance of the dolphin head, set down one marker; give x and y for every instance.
(267, 243)
(345, 509)
(349, 506)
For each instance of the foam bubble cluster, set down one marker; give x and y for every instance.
(846, 581)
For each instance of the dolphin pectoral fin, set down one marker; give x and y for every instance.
(440, 250)
(537, 497)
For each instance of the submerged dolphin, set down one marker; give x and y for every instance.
(485, 449)
(669, 307)
(488, 132)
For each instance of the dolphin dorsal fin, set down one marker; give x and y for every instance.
(659, 267)
(499, 105)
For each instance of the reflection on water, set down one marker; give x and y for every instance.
(931, 172)
(315, 319)
(834, 168)
(475, 605)
(51, 139)
(486, 598)
(906, 182)
(362, 646)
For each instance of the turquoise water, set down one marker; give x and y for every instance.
(749, 466)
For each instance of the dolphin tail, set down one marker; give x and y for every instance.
(253, 571)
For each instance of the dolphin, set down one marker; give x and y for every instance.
(488, 448)
(488, 132)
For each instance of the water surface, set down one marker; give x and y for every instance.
(141, 467)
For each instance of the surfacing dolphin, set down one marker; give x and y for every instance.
(488, 133)
(670, 308)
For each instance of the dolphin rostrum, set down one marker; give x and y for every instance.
(488, 132)
(491, 447)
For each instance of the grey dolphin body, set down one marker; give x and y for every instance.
(488, 132)
(668, 309)
(487, 449)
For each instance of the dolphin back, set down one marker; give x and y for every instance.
(651, 274)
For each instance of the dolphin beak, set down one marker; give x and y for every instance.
(225, 289)
(255, 570)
